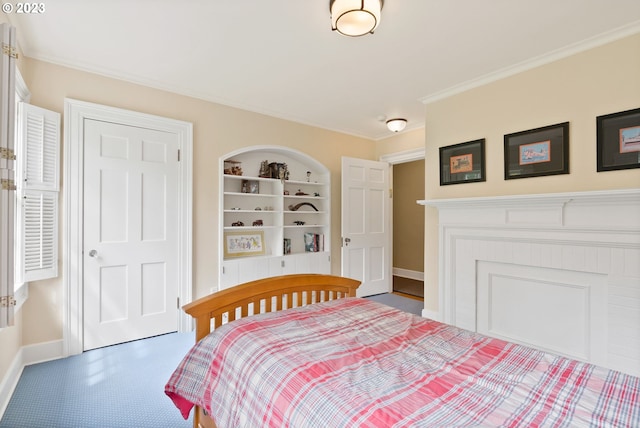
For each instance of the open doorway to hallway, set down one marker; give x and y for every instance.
(408, 228)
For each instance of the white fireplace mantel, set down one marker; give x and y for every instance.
(558, 271)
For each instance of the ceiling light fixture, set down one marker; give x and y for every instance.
(396, 125)
(355, 17)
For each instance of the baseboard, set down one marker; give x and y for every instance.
(27, 355)
(410, 274)
(10, 381)
(41, 352)
(434, 315)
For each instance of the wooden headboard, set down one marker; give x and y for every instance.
(271, 294)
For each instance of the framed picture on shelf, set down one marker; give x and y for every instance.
(244, 243)
(618, 140)
(250, 186)
(537, 152)
(462, 163)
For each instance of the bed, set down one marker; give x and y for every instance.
(335, 360)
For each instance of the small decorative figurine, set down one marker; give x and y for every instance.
(308, 176)
(257, 223)
(265, 172)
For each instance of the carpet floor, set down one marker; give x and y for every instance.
(120, 386)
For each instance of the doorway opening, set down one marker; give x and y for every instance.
(408, 228)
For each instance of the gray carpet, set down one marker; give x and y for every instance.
(119, 386)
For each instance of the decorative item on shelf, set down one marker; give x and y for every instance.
(286, 246)
(316, 194)
(265, 172)
(301, 193)
(257, 209)
(301, 204)
(257, 223)
(308, 176)
(298, 223)
(313, 242)
(250, 186)
(237, 223)
(286, 193)
(279, 170)
(241, 244)
(236, 209)
(232, 167)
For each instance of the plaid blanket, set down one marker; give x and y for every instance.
(357, 363)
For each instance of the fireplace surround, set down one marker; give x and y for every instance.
(559, 272)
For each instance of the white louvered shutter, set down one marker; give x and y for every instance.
(38, 190)
(39, 132)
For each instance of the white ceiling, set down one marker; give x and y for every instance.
(280, 57)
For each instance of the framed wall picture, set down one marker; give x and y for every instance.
(243, 243)
(462, 163)
(537, 152)
(618, 141)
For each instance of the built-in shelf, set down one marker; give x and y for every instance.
(249, 198)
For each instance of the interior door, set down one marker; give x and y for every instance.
(366, 236)
(130, 233)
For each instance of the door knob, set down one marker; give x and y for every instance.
(93, 253)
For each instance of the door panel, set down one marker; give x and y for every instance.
(366, 249)
(131, 242)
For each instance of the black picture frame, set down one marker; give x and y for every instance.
(537, 152)
(618, 141)
(463, 163)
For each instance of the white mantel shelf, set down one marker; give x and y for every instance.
(557, 271)
(620, 195)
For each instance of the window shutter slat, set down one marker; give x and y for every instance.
(38, 169)
(39, 132)
(40, 232)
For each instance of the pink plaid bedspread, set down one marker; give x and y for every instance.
(357, 363)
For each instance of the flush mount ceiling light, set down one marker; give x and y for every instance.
(355, 17)
(396, 125)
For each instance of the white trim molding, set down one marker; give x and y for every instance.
(27, 355)
(76, 112)
(506, 262)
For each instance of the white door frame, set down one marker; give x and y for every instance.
(75, 113)
(395, 159)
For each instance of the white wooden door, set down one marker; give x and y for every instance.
(366, 237)
(131, 221)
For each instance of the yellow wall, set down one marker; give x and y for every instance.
(408, 216)
(576, 89)
(218, 130)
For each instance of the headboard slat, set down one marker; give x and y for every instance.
(289, 287)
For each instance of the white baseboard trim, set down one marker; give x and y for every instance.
(27, 355)
(406, 273)
(41, 352)
(434, 315)
(10, 381)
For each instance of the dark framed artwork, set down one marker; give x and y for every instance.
(618, 140)
(462, 163)
(537, 152)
